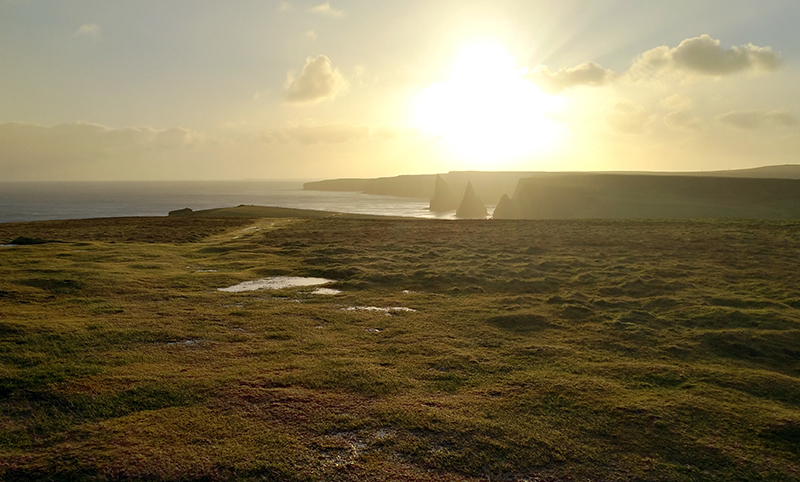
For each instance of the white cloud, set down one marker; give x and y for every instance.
(589, 73)
(628, 117)
(317, 82)
(703, 56)
(284, 6)
(91, 30)
(326, 9)
(753, 119)
(311, 35)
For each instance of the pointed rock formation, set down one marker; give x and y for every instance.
(443, 199)
(471, 205)
(507, 208)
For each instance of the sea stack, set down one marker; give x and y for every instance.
(471, 205)
(507, 208)
(443, 199)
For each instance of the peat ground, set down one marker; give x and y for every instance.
(530, 350)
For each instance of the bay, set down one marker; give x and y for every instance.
(37, 201)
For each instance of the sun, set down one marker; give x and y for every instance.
(486, 111)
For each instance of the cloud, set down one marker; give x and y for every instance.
(89, 151)
(311, 35)
(309, 133)
(677, 102)
(781, 118)
(317, 82)
(284, 6)
(91, 30)
(326, 9)
(753, 119)
(682, 120)
(703, 56)
(628, 117)
(589, 73)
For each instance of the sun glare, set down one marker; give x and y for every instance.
(487, 111)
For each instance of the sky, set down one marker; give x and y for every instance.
(262, 89)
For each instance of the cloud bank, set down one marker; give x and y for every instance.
(88, 151)
(333, 133)
(753, 119)
(317, 82)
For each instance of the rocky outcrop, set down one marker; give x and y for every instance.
(507, 208)
(443, 199)
(471, 205)
(181, 213)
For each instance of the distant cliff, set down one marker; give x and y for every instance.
(491, 186)
(583, 196)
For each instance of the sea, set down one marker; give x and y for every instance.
(37, 201)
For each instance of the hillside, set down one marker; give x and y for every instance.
(465, 351)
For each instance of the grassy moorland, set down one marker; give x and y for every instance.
(537, 351)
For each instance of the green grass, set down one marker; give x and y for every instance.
(555, 350)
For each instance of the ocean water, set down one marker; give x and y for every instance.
(36, 201)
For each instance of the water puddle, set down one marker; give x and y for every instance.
(388, 310)
(326, 291)
(186, 343)
(276, 283)
(8, 245)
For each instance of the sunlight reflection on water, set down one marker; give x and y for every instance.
(276, 283)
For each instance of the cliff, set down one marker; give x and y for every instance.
(584, 196)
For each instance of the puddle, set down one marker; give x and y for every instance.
(388, 310)
(373, 330)
(8, 245)
(326, 291)
(276, 283)
(206, 271)
(185, 343)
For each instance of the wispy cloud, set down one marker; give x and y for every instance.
(628, 117)
(753, 119)
(326, 9)
(91, 30)
(589, 73)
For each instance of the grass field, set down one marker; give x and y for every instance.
(535, 351)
